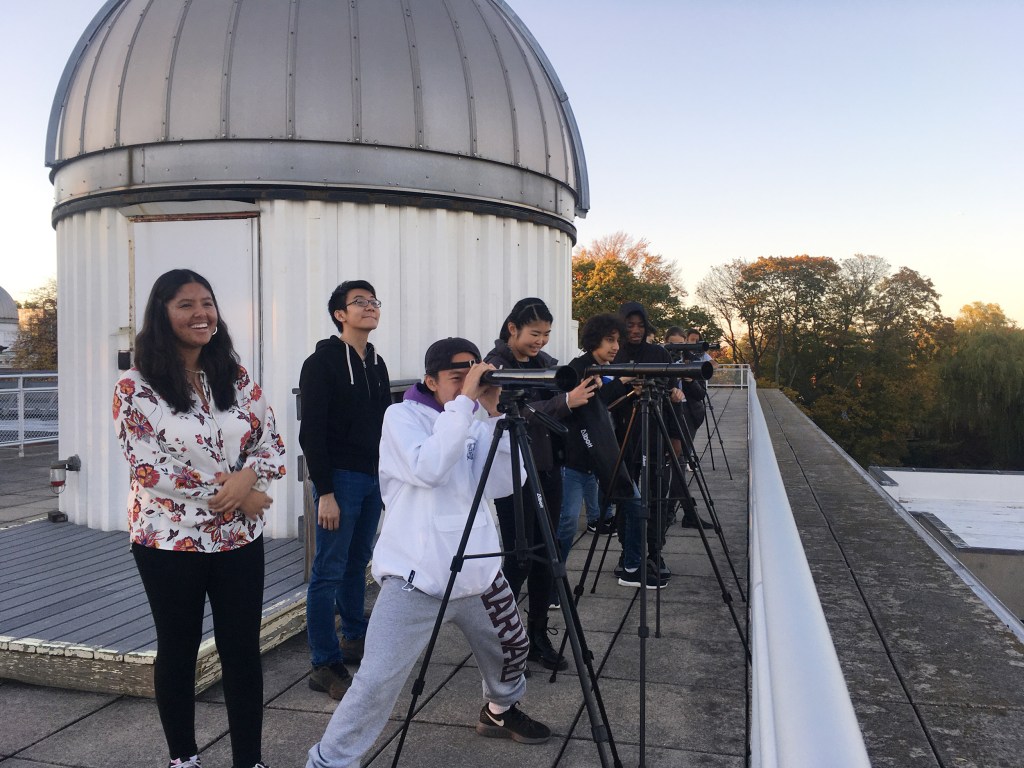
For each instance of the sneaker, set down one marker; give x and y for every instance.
(332, 679)
(352, 650)
(192, 762)
(556, 603)
(512, 724)
(606, 526)
(632, 579)
(591, 527)
(663, 570)
(693, 521)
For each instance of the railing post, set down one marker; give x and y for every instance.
(21, 417)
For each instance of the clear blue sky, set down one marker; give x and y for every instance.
(718, 129)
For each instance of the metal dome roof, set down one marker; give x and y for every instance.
(8, 309)
(448, 99)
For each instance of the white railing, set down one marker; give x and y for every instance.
(730, 375)
(801, 713)
(28, 408)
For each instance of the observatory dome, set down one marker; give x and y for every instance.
(8, 309)
(448, 103)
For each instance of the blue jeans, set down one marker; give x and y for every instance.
(634, 529)
(578, 488)
(338, 578)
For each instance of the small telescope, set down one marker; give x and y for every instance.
(563, 378)
(696, 346)
(702, 370)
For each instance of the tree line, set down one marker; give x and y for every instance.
(864, 349)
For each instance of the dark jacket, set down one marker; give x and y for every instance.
(643, 352)
(343, 403)
(547, 449)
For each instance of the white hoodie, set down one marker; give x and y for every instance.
(430, 466)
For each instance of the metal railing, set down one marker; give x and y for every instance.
(801, 713)
(28, 408)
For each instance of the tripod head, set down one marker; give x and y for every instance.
(513, 401)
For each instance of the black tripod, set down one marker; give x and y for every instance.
(511, 404)
(651, 392)
(714, 432)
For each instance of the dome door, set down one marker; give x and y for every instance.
(223, 250)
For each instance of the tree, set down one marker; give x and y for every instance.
(36, 346)
(978, 315)
(615, 269)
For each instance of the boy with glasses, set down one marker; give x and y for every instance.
(345, 389)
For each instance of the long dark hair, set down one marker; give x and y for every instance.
(156, 348)
(526, 311)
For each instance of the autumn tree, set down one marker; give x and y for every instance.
(615, 269)
(36, 346)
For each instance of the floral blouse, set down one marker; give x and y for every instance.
(174, 458)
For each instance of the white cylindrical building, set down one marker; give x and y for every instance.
(279, 147)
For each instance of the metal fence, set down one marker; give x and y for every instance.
(28, 408)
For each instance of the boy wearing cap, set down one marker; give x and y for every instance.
(432, 453)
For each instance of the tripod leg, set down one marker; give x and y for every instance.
(726, 597)
(715, 431)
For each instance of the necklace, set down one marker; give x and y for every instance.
(189, 370)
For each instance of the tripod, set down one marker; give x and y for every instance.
(511, 404)
(647, 411)
(712, 432)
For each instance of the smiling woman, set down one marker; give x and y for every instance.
(202, 447)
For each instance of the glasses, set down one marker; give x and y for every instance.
(364, 303)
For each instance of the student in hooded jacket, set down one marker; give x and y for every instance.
(520, 345)
(345, 390)
(432, 455)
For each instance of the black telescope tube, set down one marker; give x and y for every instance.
(563, 377)
(704, 370)
(696, 346)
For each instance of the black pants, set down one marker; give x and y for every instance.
(537, 575)
(177, 584)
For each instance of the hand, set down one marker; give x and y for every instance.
(255, 504)
(474, 389)
(676, 395)
(582, 393)
(235, 486)
(328, 513)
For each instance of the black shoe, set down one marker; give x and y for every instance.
(555, 604)
(632, 579)
(663, 570)
(332, 679)
(513, 724)
(692, 521)
(606, 526)
(592, 527)
(540, 646)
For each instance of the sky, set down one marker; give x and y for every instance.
(715, 129)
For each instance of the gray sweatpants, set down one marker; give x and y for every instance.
(399, 629)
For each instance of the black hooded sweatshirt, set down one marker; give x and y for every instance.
(343, 401)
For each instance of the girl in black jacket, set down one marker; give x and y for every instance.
(523, 336)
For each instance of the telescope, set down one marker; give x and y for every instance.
(701, 370)
(696, 346)
(562, 378)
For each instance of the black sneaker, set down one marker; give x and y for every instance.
(693, 521)
(512, 724)
(663, 570)
(332, 679)
(592, 527)
(606, 526)
(632, 579)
